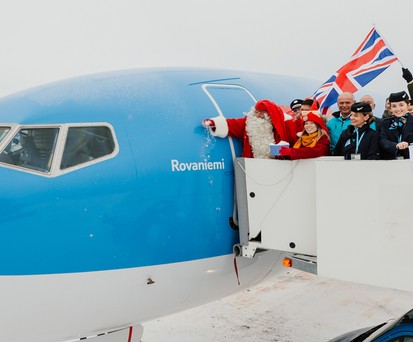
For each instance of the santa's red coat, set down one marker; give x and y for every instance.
(236, 129)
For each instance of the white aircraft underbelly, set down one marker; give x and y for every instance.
(64, 307)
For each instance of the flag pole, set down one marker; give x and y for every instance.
(388, 45)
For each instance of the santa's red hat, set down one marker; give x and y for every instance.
(276, 115)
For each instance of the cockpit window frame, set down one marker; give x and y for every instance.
(63, 129)
(5, 134)
(13, 129)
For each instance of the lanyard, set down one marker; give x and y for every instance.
(401, 123)
(358, 140)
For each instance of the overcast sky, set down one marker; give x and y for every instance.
(48, 40)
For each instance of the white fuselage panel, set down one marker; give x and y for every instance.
(63, 307)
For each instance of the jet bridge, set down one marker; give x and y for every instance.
(347, 220)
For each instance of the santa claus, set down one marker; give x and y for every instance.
(263, 125)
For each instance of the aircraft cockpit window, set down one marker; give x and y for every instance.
(31, 148)
(53, 150)
(3, 132)
(84, 144)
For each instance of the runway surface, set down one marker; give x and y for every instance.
(293, 307)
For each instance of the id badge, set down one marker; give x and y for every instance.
(355, 156)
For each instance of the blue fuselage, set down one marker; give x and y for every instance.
(166, 197)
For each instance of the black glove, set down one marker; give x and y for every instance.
(407, 75)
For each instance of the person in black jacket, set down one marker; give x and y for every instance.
(397, 131)
(359, 141)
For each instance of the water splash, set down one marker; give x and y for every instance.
(209, 144)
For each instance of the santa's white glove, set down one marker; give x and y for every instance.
(208, 123)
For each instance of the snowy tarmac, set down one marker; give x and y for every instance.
(294, 306)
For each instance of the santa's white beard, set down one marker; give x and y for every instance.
(260, 134)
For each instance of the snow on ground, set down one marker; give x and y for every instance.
(293, 307)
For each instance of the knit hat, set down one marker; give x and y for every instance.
(311, 116)
(276, 115)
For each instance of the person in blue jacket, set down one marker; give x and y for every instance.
(340, 120)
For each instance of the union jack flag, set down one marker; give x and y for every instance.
(371, 58)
